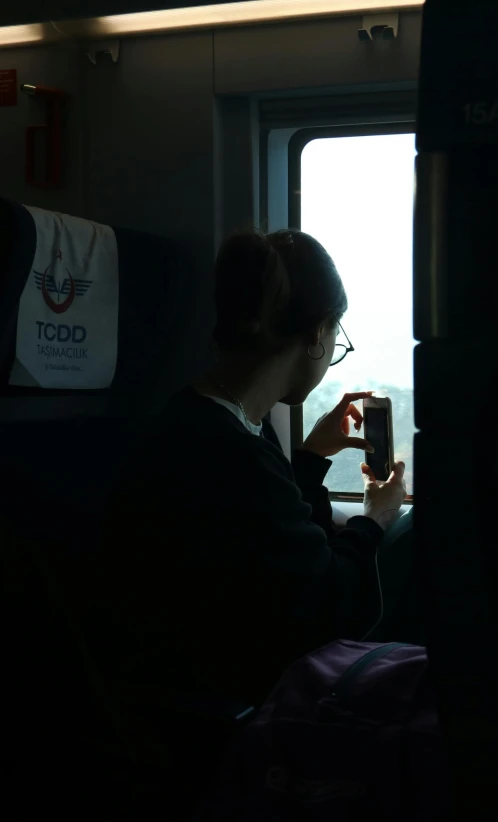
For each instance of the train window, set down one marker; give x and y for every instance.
(357, 199)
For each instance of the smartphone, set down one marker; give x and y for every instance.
(378, 428)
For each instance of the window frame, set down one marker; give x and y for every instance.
(297, 144)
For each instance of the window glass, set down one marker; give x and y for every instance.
(357, 200)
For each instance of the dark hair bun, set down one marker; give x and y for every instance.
(271, 286)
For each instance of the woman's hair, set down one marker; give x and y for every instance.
(269, 287)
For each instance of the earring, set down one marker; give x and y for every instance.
(321, 355)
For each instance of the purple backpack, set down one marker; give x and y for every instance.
(349, 733)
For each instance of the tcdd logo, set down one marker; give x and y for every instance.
(69, 288)
(61, 333)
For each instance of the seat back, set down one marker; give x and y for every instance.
(62, 446)
(155, 287)
(61, 449)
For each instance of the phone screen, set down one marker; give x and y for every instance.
(377, 433)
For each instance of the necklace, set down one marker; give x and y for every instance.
(237, 402)
(250, 426)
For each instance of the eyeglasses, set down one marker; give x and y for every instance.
(340, 350)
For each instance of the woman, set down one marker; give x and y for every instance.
(233, 567)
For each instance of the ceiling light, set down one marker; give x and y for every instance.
(214, 16)
(17, 35)
(226, 14)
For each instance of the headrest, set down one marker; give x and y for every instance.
(83, 306)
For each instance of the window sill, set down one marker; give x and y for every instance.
(343, 511)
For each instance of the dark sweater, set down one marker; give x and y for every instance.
(224, 560)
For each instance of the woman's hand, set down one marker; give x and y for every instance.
(383, 500)
(331, 433)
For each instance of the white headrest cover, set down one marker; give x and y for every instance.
(67, 330)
